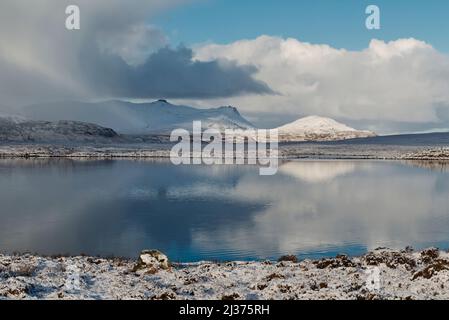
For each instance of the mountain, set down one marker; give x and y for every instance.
(315, 128)
(16, 129)
(159, 117)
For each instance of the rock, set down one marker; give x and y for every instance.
(165, 296)
(323, 285)
(339, 262)
(233, 296)
(429, 255)
(432, 269)
(289, 258)
(391, 259)
(409, 249)
(274, 276)
(152, 261)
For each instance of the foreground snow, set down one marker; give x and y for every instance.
(382, 274)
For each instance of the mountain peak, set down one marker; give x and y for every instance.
(230, 108)
(316, 123)
(319, 129)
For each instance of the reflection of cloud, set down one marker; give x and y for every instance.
(314, 171)
(221, 212)
(143, 193)
(388, 205)
(198, 191)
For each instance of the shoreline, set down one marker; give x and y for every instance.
(382, 274)
(286, 152)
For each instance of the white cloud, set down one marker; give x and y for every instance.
(400, 81)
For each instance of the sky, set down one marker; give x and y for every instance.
(275, 61)
(338, 23)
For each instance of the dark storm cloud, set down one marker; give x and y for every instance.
(109, 57)
(169, 73)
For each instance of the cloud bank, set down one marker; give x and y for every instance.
(403, 81)
(116, 54)
(169, 73)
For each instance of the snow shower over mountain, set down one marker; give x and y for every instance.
(159, 117)
(315, 128)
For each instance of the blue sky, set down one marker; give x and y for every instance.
(340, 23)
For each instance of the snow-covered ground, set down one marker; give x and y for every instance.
(162, 150)
(381, 274)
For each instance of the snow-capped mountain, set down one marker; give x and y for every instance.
(159, 117)
(315, 128)
(16, 129)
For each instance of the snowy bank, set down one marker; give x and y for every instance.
(162, 150)
(381, 274)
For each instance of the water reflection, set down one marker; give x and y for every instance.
(315, 171)
(310, 208)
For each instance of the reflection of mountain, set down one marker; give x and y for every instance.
(316, 171)
(435, 165)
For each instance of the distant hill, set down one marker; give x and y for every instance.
(315, 128)
(14, 129)
(418, 139)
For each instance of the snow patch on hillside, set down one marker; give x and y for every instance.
(315, 128)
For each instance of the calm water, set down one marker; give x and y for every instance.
(312, 208)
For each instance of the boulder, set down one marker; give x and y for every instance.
(151, 261)
(288, 258)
